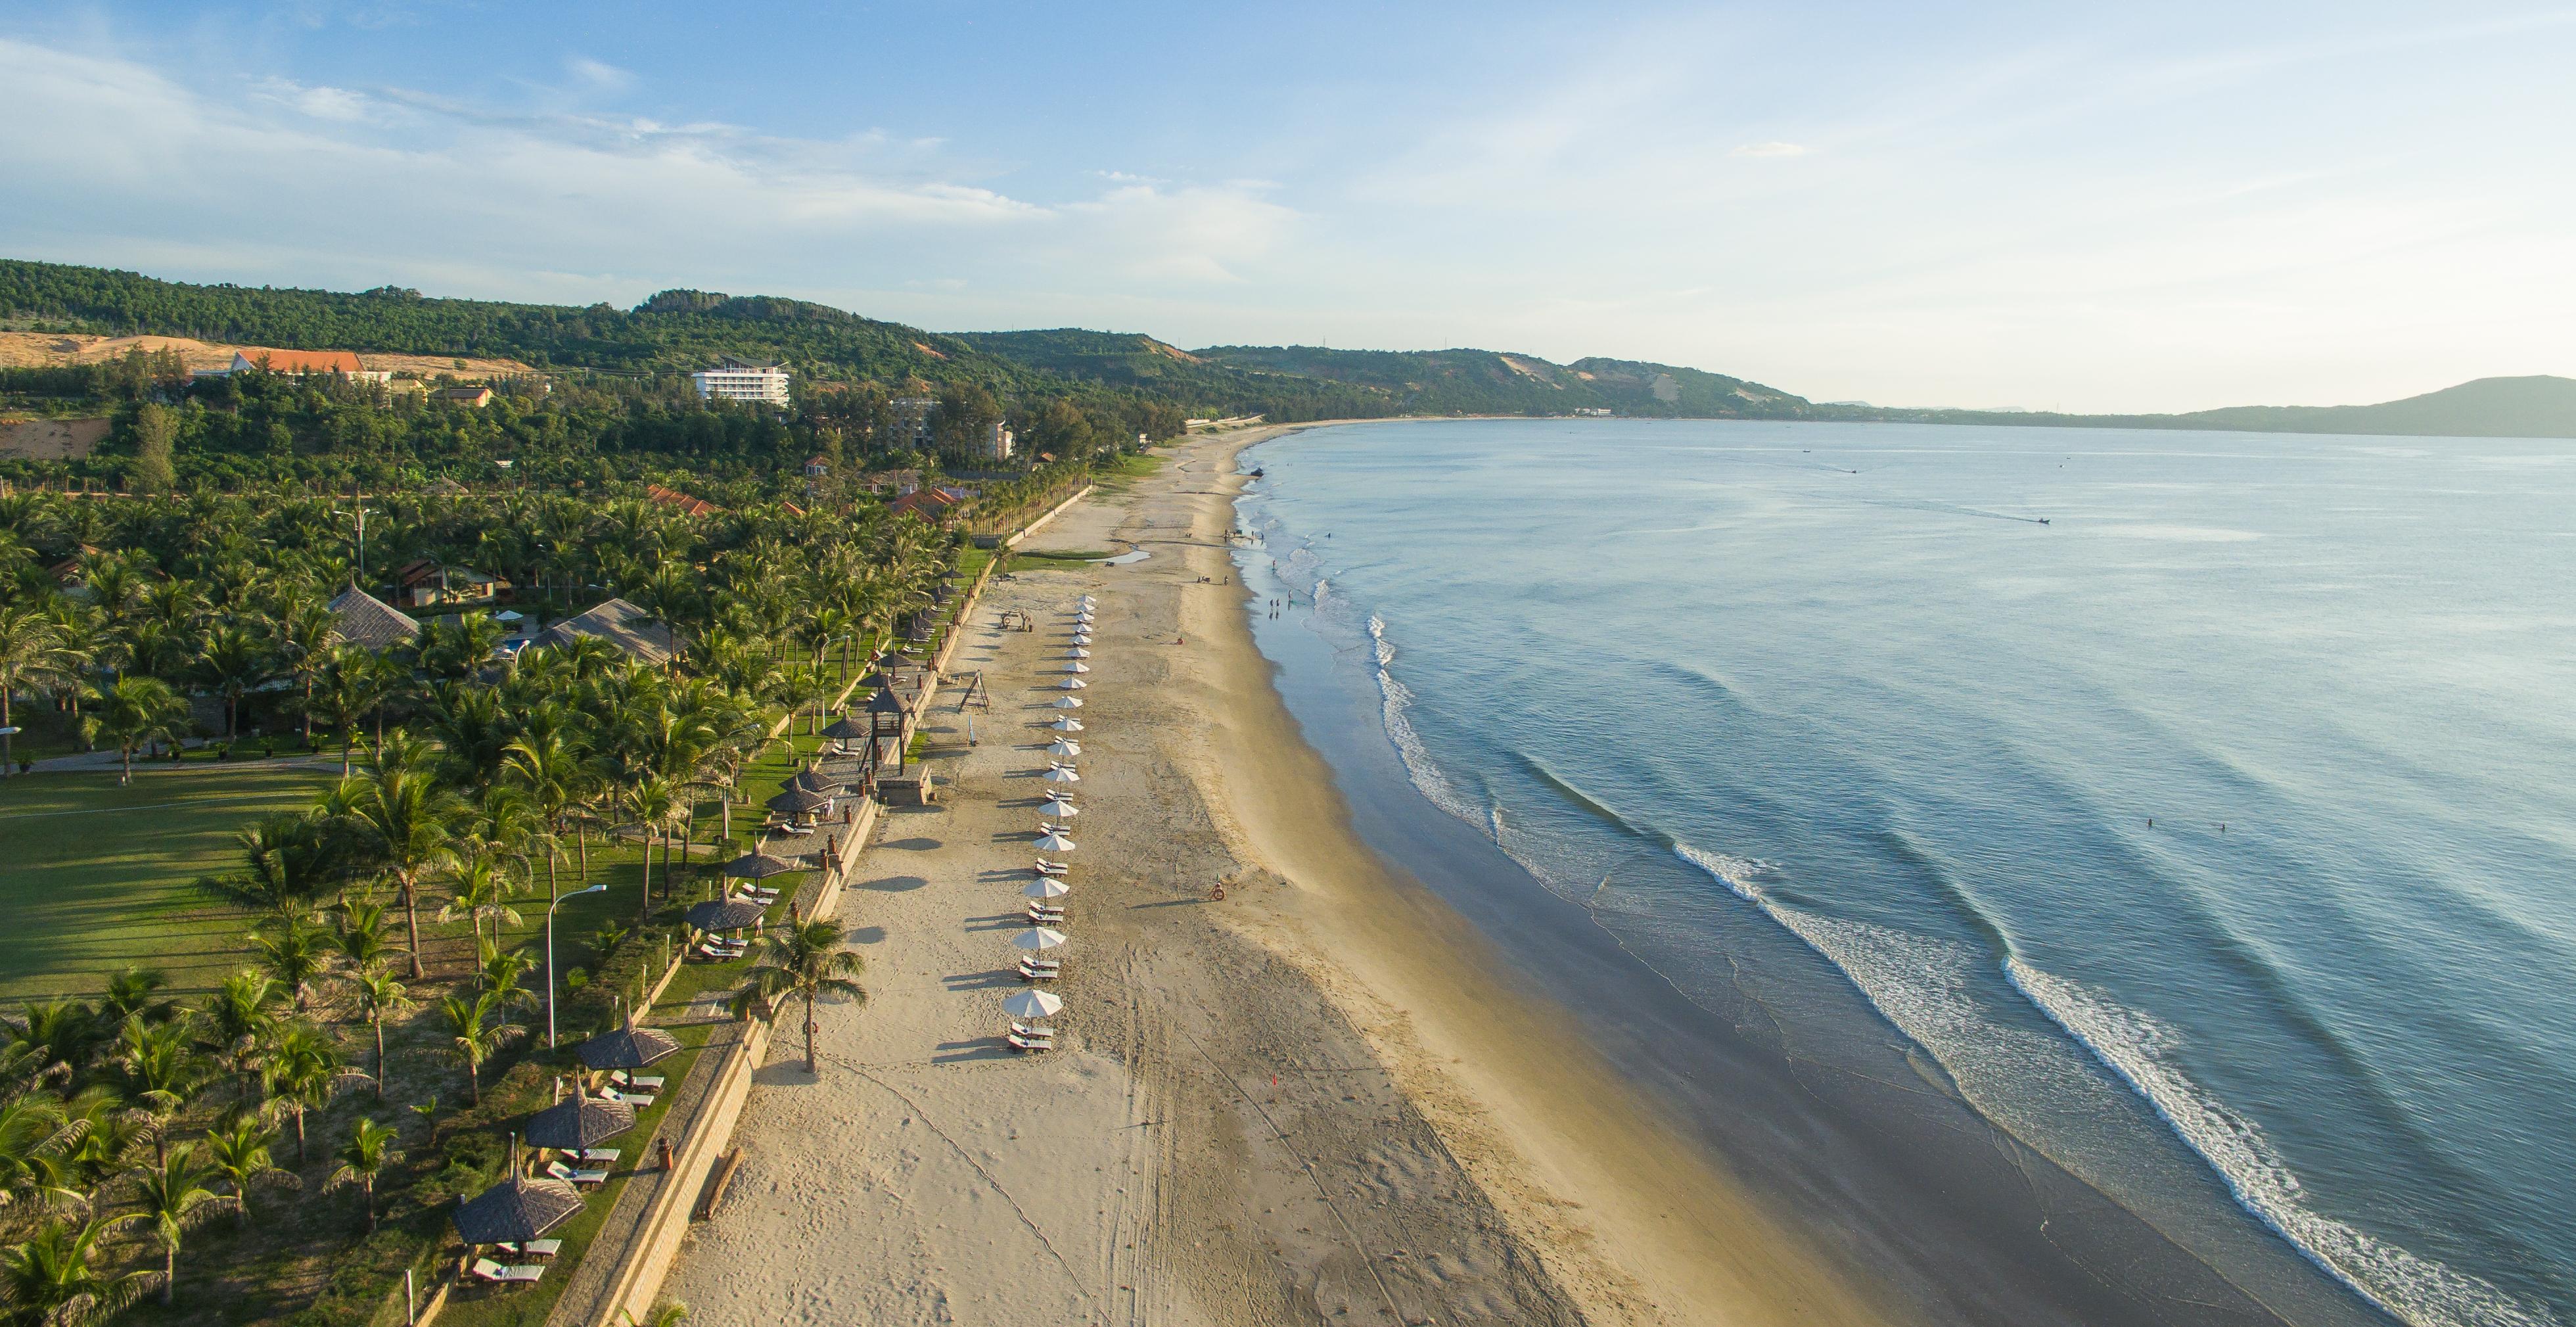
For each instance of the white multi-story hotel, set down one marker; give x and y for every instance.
(742, 380)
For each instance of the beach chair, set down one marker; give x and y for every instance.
(1028, 1044)
(1033, 1031)
(563, 1172)
(1045, 916)
(492, 1273)
(535, 1248)
(1031, 972)
(631, 1083)
(600, 1156)
(1046, 867)
(639, 1100)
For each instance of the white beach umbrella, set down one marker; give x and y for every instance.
(1077, 652)
(1081, 638)
(1047, 887)
(1083, 618)
(1059, 808)
(1067, 724)
(1055, 841)
(1088, 600)
(1075, 684)
(1076, 666)
(1066, 703)
(1064, 746)
(1060, 774)
(1037, 939)
(1033, 1004)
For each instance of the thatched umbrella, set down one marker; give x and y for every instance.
(814, 780)
(846, 729)
(629, 1047)
(516, 1210)
(578, 1123)
(799, 802)
(759, 866)
(726, 914)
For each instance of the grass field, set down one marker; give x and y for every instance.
(96, 877)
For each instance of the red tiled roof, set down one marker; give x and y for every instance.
(304, 361)
(686, 505)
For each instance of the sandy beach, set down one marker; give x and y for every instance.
(1317, 1100)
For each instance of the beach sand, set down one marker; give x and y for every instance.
(1317, 1100)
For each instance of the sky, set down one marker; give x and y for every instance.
(2083, 207)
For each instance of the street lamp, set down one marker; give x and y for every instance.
(362, 513)
(550, 956)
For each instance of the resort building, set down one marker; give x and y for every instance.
(476, 396)
(424, 583)
(361, 619)
(994, 444)
(912, 415)
(742, 380)
(678, 501)
(306, 364)
(621, 624)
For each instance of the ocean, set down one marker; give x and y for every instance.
(2202, 805)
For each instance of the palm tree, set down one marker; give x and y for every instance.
(242, 1155)
(35, 655)
(305, 633)
(378, 996)
(409, 822)
(136, 712)
(232, 662)
(342, 688)
(474, 1036)
(362, 1158)
(289, 858)
(136, 993)
(33, 1133)
(655, 804)
(482, 894)
(805, 961)
(300, 1072)
(163, 1072)
(235, 1023)
(546, 759)
(56, 1035)
(175, 1197)
(58, 1278)
(361, 935)
(294, 950)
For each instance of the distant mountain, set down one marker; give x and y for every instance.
(1488, 382)
(684, 329)
(2535, 407)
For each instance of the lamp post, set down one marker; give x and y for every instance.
(550, 956)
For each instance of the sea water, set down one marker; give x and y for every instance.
(2203, 803)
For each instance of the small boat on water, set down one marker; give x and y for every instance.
(2043, 520)
(1256, 473)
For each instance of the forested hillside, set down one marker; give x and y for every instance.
(1490, 382)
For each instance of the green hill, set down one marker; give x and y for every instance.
(1491, 382)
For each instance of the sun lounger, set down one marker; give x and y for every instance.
(639, 1100)
(563, 1172)
(487, 1270)
(1034, 1032)
(535, 1248)
(1029, 972)
(1025, 1044)
(633, 1084)
(600, 1156)
(1046, 867)
(1045, 916)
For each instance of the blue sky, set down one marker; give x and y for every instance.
(2088, 207)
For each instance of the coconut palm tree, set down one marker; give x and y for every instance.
(162, 1071)
(34, 1132)
(378, 996)
(305, 633)
(56, 1036)
(655, 803)
(243, 1155)
(58, 1276)
(136, 993)
(805, 961)
(362, 934)
(231, 662)
(288, 859)
(364, 1157)
(233, 1024)
(136, 712)
(35, 655)
(476, 1032)
(300, 1071)
(482, 893)
(174, 1196)
(295, 950)
(409, 823)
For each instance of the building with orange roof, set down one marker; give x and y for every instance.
(306, 363)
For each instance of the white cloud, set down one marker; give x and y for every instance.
(1771, 149)
(279, 181)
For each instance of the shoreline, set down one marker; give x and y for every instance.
(1621, 1207)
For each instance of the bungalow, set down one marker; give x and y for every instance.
(621, 624)
(678, 501)
(424, 583)
(363, 620)
(306, 363)
(930, 505)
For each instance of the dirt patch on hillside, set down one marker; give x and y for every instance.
(32, 350)
(51, 439)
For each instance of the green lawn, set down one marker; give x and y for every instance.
(96, 877)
